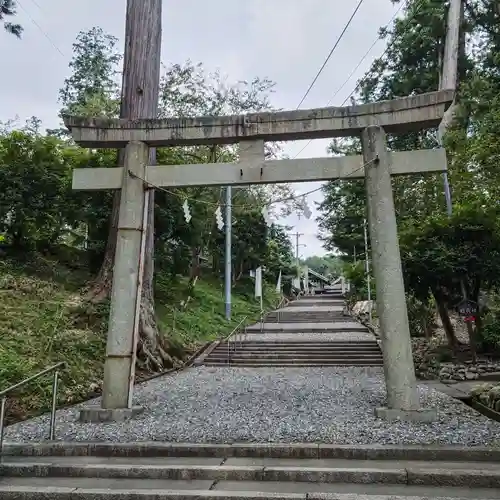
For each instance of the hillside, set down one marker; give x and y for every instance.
(44, 320)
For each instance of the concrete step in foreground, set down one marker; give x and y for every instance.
(154, 471)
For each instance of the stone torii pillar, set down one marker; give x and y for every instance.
(125, 294)
(402, 395)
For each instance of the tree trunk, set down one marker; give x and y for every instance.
(445, 319)
(240, 272)
(140, 90)
(100, 288)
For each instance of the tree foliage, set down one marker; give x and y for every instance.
(442, 257)
(39, 211)
(8, 8)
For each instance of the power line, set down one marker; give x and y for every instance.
(359, 64)
(44, 33)
(37, 4)
(331, 52)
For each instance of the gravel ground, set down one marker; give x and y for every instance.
(331, 405)
(310, 337)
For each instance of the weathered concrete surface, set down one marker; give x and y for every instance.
(343, 326)
(311, 338)
(256, 171)
(155, 471)
(121, 345)
(335, 307)
(96, 414)
(460, 390)
(391, 303)
(479, 475)
(306, 334)
(148, 451)
(315, 300)
(397, 115)
(292, 170)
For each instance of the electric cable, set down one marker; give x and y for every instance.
(45, 34)
(346, 27)
(418, 7)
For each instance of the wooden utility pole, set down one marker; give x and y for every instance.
(449, 80)
(297, 257)
(140, 89)
(449, 77)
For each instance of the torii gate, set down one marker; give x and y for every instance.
(370, 121)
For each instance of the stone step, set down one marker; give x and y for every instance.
(287, 364)
(146, 489)
(315, 301)
(334, 315)
(212, 477)
(295, 361)
(307, 327)
(289, 352)
(309, 319)
(160, 449)
(336, 344)
(298, 348)
(303, 328)
(294, 355)
(325, 471)
(309, 350)
(285, 352)
(303, 345)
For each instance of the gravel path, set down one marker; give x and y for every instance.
(331, 405)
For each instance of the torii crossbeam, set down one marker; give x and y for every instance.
(376, 165)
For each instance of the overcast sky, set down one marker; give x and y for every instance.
(284, 40)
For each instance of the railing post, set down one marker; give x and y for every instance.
(3, 406)
(55, 384)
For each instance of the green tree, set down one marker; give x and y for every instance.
(8, 9)
(186, 90)
(92, 88)
(328, 265)
(435, 253)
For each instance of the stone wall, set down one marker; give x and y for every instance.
(488, 395)
(468, 370)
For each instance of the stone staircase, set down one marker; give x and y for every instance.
(290, 353)
(312, 331)
(250, 471)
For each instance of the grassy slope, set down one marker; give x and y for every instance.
(43, 321)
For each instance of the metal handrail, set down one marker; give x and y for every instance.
(227, 337)
(6, 392)
(280, 305)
